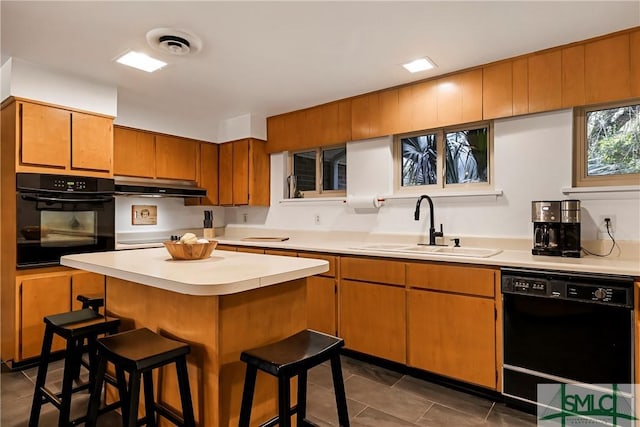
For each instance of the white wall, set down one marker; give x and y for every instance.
(172, 214)
(532, 162)
(32, 81)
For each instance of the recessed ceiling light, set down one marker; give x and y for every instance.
(421, 64)
(141, 61)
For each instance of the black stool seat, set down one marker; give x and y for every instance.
(293, 356)
(138, 352)
(75, 327)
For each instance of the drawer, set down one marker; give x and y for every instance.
(250, 250)
(226, 248)
(373, 270)
(448, 278)
(281, 252)
(330, 258)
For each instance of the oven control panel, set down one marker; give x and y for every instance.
(75, 184)
(600, 290)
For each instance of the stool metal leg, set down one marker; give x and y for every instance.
(284, 401)
(149, 403)
(338, 386)
(302, 399)
(247, 396)
(185, 392)
(34, 418)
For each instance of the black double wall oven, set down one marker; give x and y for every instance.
(60, 215)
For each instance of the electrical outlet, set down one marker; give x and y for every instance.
(602, 224)
(245, 218)
(316, 218)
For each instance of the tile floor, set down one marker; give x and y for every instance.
(377, 397)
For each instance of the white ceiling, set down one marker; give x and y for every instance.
(265, 58)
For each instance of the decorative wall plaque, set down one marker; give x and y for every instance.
(144, 214)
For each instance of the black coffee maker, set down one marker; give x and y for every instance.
(556, 228)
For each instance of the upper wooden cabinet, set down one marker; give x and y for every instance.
(134, 153)
(607, 69)
(424, 105)
(545, 81)
(520, 84)
(209, 173)
(57, 140)
(365, 116)
(152, 155)
(460, 98)
(176, 158)
(244, 173)
(573, 76)
(634, 48)
(497, 90)
(323, 125)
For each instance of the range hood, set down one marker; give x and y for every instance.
(126, 186)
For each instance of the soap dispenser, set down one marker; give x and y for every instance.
(208, 232)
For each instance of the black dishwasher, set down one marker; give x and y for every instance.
(565, 328)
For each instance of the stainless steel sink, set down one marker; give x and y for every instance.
(435, 250)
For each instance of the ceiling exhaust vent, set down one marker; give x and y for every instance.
(173, 41)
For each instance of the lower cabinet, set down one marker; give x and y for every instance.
(452, 335)
(41, 294)
(321, 304)
(40, 297)
(373, 319)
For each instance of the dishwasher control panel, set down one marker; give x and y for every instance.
(600, 289)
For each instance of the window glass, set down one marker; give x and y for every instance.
(613, 141)
(419, 160)
(304, 167)
(466, 156)
(334, 168)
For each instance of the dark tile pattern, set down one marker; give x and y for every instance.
(376, 397)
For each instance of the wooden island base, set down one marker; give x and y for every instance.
(218, 328)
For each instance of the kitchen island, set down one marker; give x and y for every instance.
(221, 306)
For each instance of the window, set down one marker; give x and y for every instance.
(607, 145)
(442, 158)
(320, 171)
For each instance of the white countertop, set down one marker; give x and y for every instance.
(516, 255)
(223, 273)
(506, 258)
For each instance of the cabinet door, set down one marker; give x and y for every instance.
(134, 153)
(258, 173)
(545, 81)
(176, 158)
(241, 172)
(321, 304)
(91, 142)
(225, 174)
(497, 90)
(365, 113)
(209, 172)
(85, 283)
(634, 44)
(45, 134)
(460, 98)
(607, 69)
(520, 83)
(40, 297)
(424, 105)
(452, 335)
(573, 76)
(373, 319)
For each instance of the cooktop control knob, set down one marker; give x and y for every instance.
(600, 294)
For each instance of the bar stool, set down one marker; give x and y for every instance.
(74, 327)
(138, 352)
(285, 359)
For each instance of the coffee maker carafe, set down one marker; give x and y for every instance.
(546, 228)
(556, 228)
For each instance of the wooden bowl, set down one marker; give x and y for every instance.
(183, 251)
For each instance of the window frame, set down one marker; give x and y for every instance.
(442, 186)
(318, 192)
(580, 168)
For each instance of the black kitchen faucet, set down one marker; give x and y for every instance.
(432, 231)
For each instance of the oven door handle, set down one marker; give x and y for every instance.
(63, 200)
